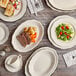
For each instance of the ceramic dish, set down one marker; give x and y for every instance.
(55, 42)
(42, 55)
(4, 33)
(11, 68)
(17, 15)
(40, 33)
(55, 6)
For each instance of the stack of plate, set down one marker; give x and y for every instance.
(62, 5)
(52, 33)
(43, 62)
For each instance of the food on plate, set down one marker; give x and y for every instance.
(15, 3)
(64, 32)
(27, 36)
(9, 10)
(4, 3)
(10, 6)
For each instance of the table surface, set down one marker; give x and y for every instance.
(45, 17)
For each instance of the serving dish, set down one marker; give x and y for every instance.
(40, 32)
(38, 69)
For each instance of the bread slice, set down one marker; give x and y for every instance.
(9, 10)
(4, 3)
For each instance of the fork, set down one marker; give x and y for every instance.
(34, 7)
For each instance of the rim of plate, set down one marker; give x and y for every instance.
(6, 32)
(56, 9)
(20, 15)
(37, 42)
(38, 50)
(50, 25)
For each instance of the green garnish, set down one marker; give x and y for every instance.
(64, 32)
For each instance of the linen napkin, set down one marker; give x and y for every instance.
(70, 58)
(35, 6)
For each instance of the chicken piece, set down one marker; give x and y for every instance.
(25, 29)
(34, 28)
(9, 10)
(4, 3)
(31, 30)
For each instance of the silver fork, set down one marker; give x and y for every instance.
(34, 7)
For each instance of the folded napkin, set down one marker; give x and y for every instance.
(35, 6)
(70, 58)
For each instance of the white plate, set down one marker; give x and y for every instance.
(64, 4)
(36, 64)
(54, 4)
(4, 33)
(52, 38)
(47, 2)
(9, 68)
(40, 32)
(18, 16)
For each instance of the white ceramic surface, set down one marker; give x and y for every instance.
(16, 65)
(64, 4)
(17, 62)
(40, 33)
(36, 64)
(52, 38)
(59, 9)
(4, 33)
(17, 16)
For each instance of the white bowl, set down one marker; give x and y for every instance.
(18, 16)
(40, 31)
(52, 35)
(43, 62)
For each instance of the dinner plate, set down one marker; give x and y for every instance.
(36, 64)
(40, 32)
(52, 26)
(18, 15)
(4, 33)
(58, 5)
(10, 68)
